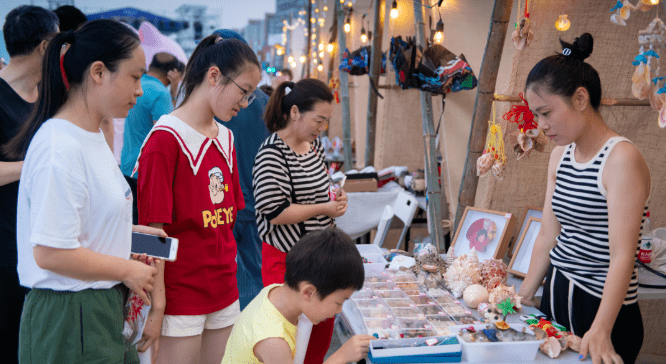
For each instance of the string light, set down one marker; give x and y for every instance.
(293, 64)
(394, 9)
(654, 2)
(290, 59)
(314, 36)
(342, 1)
(302, 59)
(439, 32)
(321, 54)
(320, 68)
(316, 10)
(314, 60)
(314, 54)
(347, 26)
(349, 4)
(325, 8)
(330, 47)
(321, 46)
(562, 24)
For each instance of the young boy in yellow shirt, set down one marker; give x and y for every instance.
(322, 270)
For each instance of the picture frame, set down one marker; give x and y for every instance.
(530, 211)
(520, 262)
(489, 232)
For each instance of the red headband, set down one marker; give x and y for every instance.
(62, 72)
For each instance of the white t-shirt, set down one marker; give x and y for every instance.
(72, 194)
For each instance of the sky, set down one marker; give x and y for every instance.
(231, 13)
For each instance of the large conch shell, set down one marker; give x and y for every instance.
(484, 163)
(524, 142)
(522, 37)
(662, 117)
(551, 347)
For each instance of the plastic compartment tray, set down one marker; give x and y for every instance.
(382, 286)
(399, 303)
(374, 258)
(384, 324)
(376, 313)
(408, 334)
(423, 300)
(363, 295)
(467, 320)
(408, 285)
(441, 326)
(412, 324)
(408, 313)
(413, 292)
(371, 303)
(378, 278)
(437, 292)
(431, 309)
(391, 294)
(404, 278)
(445, 299)
(456, 310)
(519, 351)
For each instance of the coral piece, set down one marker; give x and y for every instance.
(493, 273)
(475, 295)
(461, 274)
(501, 293)
(573, 342)
(551, 347)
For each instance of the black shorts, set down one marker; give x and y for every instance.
(575, 309)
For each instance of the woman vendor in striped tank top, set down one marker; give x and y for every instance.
(596, 199)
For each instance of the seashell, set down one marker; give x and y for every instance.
(501, 293)
(573, 342)
(662, 117)
(643, 5)
(551, 347)
(656, 99)
(522, 37)
(626, 9)
(525, 142)
(461, 274)
(472, 256)
(498, 170)
(639, 73)
(450, 256)
(532, 133)
(493, 273)
(474, 295)
(540, 142)
(617, 20)
(483, 164)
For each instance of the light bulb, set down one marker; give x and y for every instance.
(290, 59)
(330, 47)
(317, 10)
(364, 37)
(342, 1)
(562, 24)
(293, 64)
(312, 20)
(654, 2)
(314, 60)
(321, 46)
(320, 68)
(314, 36)
(321, 54)
(349, 4)
(314, 54)
(302, 59)
(347, 27)
(394, 9)
(325, 8)
(439, 32)
(439, 37)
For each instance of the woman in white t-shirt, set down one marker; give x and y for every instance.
(74, 206)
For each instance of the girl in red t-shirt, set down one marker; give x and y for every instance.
(188, 184)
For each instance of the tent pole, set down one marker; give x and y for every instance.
(483, 105)
(344, 91)
(434, 191)
(375, 70)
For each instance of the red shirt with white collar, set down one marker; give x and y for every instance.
(190, 183)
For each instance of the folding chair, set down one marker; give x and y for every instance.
(404, 208)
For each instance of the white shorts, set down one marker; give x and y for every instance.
(193, 325)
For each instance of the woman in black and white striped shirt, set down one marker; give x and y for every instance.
(291, 184)
(598, 188)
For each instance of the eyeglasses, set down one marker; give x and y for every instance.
(247, 96)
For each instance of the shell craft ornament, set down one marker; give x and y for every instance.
(622, 12)
(523, 35)
(493, 273)
(494, 148)
(463, 273)
(501, 293)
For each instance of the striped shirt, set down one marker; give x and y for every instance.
(281, 177)
(582, 252)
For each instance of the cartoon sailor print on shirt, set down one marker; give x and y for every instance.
(216, 185)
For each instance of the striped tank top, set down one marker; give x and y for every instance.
(582, 252)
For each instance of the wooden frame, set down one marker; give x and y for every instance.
(505, 225)
(520, 262)
(530, 211)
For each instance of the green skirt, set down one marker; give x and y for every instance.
(74, 327)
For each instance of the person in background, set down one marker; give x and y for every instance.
(314, 285)
(291, 184)
(70, 17)
(74, 207)
(596, 199)
(249, 132)
(27, 31)
(188, 182)
(155, 102)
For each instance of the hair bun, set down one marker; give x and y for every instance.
(581, 47)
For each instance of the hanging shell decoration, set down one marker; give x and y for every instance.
(522, 37)
(646, 80)
(527, 137)
(644, 5)
(622, 12)
(494, 157)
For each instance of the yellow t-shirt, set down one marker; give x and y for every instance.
(259, 320)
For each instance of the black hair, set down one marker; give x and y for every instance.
(26, 27)
(163, 62)
(180, 67)
(328, 259)
(562, 74)
(267, 89)
(287, 71)
(304, 94)
(231, 56)
(102, 40)
(71, 18)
